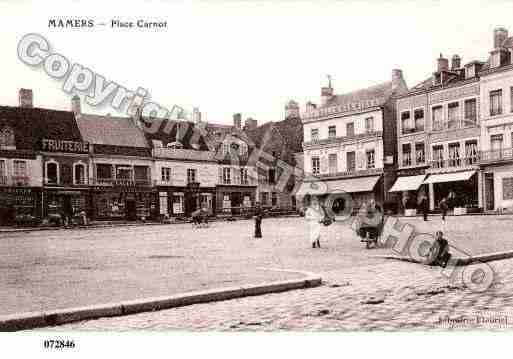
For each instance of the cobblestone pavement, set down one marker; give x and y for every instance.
(61, 269)
(386, 296)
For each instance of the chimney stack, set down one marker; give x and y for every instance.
(443, 64)
(500, 34)
(75, 105)
(292, 109)
(25, 98)
(250, 124)
(237, 121)
(326, 92)
(456, 63)
(196, 115)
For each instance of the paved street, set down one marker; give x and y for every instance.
(67, 268)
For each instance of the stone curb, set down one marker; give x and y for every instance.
(33, 320)
(459, 261)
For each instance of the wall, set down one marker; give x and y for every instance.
(206, 173)
(34, 170)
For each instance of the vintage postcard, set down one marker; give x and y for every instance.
(255, 166)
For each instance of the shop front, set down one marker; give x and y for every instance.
(20, 205)
(61, 203)
(410, 188)
(235, 200)
(124, 203)
(459, 188)
(180, 201)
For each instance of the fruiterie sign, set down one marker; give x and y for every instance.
(65, 146)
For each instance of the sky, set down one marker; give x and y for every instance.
(246, 56)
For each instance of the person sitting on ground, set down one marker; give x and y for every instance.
(441, 246)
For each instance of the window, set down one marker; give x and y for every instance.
(163, 203)
(103, 171)
(314, 134)
(369, 124)
(244, 176)
(264, 198)
(191, 175)
(123, 172)
(437, 118)
(370, 158)
(511, 98)
(496, 145)
(495, 102)
(271, 176)
(79, 173)
(438, 156)
(454, 154)
(274, 199)
(406, 154)
(332, 131)
(470, 112)
(3, 173)
(226, 175)
(332, 163)
(178, 203)
(166, 174)
(350, 129)
(452, 115)
(420, 153)
(51, 172)
(351, 161)
(405, 122)
(471, 154)
(316, 164)
(419, 119)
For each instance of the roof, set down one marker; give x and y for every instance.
(377, 92)
(184, 154)
(31, 125)
(189, 135)
(110, 130)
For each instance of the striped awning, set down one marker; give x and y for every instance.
(407, 183)
(450, 177)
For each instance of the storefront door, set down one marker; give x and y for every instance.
(131, 210)
(489, 192)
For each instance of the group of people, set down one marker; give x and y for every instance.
(423, 204)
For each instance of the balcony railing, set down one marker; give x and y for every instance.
(343, 138)
(122, 182)
(350, 173)
(14, 180)
(455, 162)
(505, 154)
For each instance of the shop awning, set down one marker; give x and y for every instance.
(450, 177)
(408, 183)
(352, 185)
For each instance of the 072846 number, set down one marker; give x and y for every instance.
(58, 344)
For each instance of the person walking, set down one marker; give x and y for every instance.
(258, 222)
(314, 215)
(424, 206)
(444, 207)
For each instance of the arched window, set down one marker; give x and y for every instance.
(79, 174)
(52, 172)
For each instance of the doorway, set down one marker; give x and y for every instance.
(131, 210)
(489, 192)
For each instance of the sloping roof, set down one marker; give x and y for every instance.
(190, 136)
(31, 125)
(110, 130)
(184, 154)
(377, 92)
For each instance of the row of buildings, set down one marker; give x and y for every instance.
(451, 134)
(60, 163)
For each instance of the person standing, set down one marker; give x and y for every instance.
(444, 207)
(424, 206)
(314, 215)
(258, 222)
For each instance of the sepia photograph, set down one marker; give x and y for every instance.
(245, 169)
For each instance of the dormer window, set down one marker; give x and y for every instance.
(470, 71)
(157, 143)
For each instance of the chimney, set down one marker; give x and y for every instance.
(250, 124)
(75, 105)
(500, 34)
(326, 92)
(456, 63)
(292, 109)
(196, 115)
(443, 64)
(237, 121)
(397, 79)
(25, 98)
